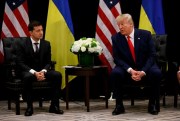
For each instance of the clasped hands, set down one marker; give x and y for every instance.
(40, 75)
(136, 75)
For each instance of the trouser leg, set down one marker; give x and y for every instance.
(28, 79)
(55, 80)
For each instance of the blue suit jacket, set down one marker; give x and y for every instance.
(144, 51)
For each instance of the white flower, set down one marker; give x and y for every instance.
(86, 45)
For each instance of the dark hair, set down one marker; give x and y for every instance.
(33, 24)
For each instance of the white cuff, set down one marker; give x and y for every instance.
(129, 70)
(32, 71)
(44, 70)
(143, 72)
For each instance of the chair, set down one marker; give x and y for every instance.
(173, 77)
(173, 50)
(14, 84)
(160, 45)
(162, 61)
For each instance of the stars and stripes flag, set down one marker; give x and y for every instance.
(15, 19)
(106, 26)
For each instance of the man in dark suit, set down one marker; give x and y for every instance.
(34, 62)
(134, 68)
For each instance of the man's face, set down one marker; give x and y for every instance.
(125, 27)
(37, 33)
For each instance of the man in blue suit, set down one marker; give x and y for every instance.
(134, 68)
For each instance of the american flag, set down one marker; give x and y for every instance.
(16, 19)
(106, 26)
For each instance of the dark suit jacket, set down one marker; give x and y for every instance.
(144, 51)
(26, 55)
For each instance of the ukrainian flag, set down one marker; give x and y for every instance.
(59, 31)
(151, 16)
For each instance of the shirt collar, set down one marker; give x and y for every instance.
(131, 34)
(33, 41)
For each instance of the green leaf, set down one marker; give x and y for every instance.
(83, 38)
(93, 44)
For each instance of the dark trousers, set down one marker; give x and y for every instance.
(119, 77)
(53, 77)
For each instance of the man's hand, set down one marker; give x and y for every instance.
(137, 75)
(40, 76)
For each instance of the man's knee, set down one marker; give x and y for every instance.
(157, 74)
(57, 74)
(116, 72)
(54, 75)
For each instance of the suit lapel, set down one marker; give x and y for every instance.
(126, 47)
(41, 48)
(136, 43)
(29, 46)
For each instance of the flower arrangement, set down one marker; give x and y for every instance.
(86, 45)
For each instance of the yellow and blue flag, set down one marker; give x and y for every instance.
(59, 31)
(151, 16)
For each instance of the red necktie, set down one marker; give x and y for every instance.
(131, 48)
